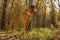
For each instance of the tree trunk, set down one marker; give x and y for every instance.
(44, 14)
(30, 24)
(3, 15)
(52, 15)
(59, 10)
(12, 4)
(30, 2)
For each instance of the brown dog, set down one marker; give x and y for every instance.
(25, 18)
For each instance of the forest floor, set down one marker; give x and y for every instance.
(34, 34)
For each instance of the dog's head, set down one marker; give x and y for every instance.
(33, 8)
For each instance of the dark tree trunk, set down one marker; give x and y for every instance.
(12, 4)
(30, 24)
(26, 5)
(44, 14)
(3, 15)
(30, 2)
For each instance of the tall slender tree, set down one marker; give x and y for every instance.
(52, 15)
(59, 9)
(30, 3)
(12, 4)
(44, 13)
(3, 14)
